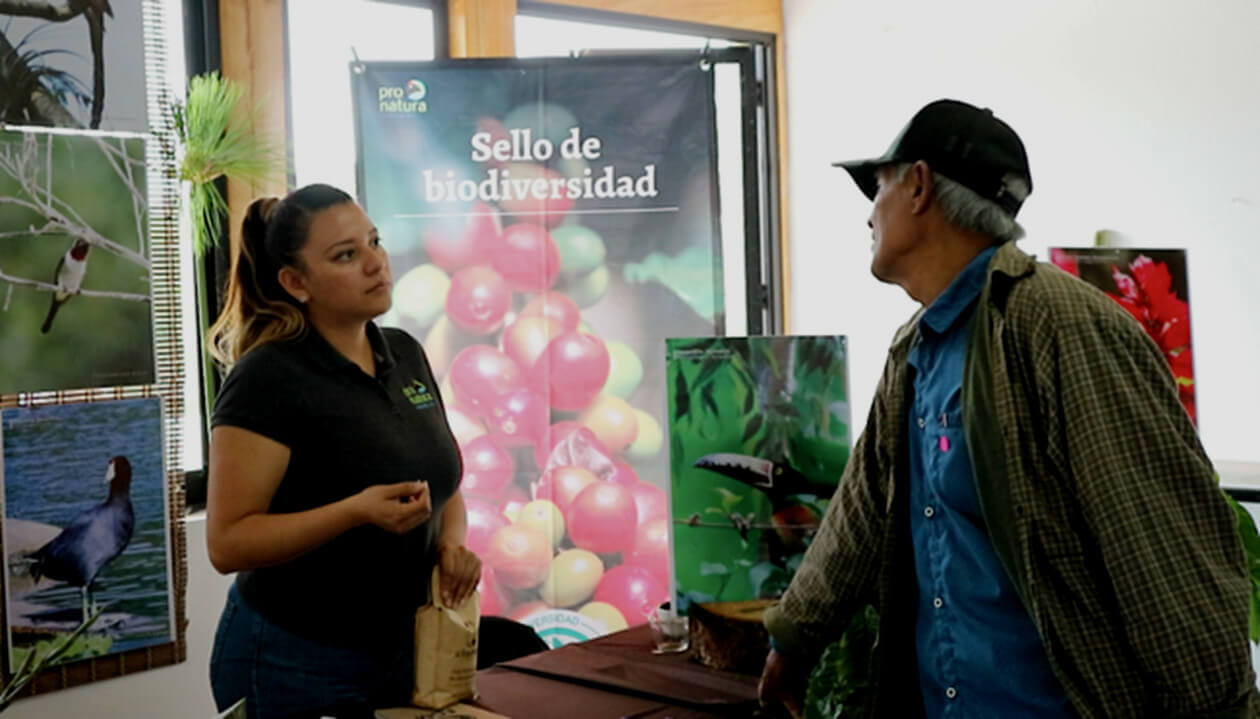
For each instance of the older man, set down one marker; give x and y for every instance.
(1028, 507)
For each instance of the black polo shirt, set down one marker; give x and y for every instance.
(346, 431)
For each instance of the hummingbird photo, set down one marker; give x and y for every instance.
(69, 279)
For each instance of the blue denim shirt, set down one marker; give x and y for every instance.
(979, 654)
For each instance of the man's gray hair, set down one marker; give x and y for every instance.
(969, 212)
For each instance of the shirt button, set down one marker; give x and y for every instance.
(928, 511)
(922, 423)
(951, 692)
(938, 602)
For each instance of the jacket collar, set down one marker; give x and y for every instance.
(1009, 265)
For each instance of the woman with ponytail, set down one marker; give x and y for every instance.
(333, 486)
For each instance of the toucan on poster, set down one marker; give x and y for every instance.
(85, 527)
(759, 435)
(549, 224)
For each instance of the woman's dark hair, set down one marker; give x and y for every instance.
(257, 309)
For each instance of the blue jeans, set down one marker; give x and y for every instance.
(281, 674)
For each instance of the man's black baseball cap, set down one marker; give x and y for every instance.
(965, 143)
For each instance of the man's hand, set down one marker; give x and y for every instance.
(398, 508)
(460, 571)
(782, 683)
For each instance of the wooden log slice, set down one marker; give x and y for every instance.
(729, 635)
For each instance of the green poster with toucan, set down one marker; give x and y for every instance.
(759, 432)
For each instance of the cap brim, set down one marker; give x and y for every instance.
(863, 173)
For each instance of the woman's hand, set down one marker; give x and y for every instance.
(460, 571)
(398, 508)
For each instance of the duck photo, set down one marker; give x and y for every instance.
(85, 528)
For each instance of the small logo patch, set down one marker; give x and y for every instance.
(419, 395)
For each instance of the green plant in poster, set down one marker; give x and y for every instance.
(759, 435)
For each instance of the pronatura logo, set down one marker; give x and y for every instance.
(407, 98)
(416, 90)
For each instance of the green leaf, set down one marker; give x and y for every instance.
(682, 397)
(1250, 539)
(768, 579)
(730, 500)
(840, 683)
(709, 369)
(706, 396)
(753, 426)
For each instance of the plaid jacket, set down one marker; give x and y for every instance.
(1097, 494)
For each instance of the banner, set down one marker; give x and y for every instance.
(759, 435)
(549, 224)
(1152, 286)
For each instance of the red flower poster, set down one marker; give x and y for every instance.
(1152, 286)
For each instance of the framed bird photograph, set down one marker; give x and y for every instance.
(759, 435)
(75, 308)
(85, 528)
(73, 64)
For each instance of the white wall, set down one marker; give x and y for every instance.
(182, 690)
(1141, 117)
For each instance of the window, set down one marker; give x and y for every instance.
(548, 36)
(321, 45)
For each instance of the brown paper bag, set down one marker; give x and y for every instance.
(446, 650)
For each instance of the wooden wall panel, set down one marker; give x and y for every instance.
(757, 15)
(252, 49)
(482, 28)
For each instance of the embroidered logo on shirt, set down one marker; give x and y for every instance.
(418, 395)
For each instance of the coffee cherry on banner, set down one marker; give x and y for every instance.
(526, 338)
(520, 557)
(612, 419)
(544, 516)
(573, 368)
(632, 590)
(478, 300)
(555, 305)
(574, 575)
(581, 249)
(562, 484)
(526, 257)
(602, 518)
(651, 549)
(650, 501)
(649, 440)
(480, 373)
(483, 520)
(517, 418)
(488, 468)
(606, 614)
(454, 248)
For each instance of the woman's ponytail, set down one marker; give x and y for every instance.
(257, 309)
